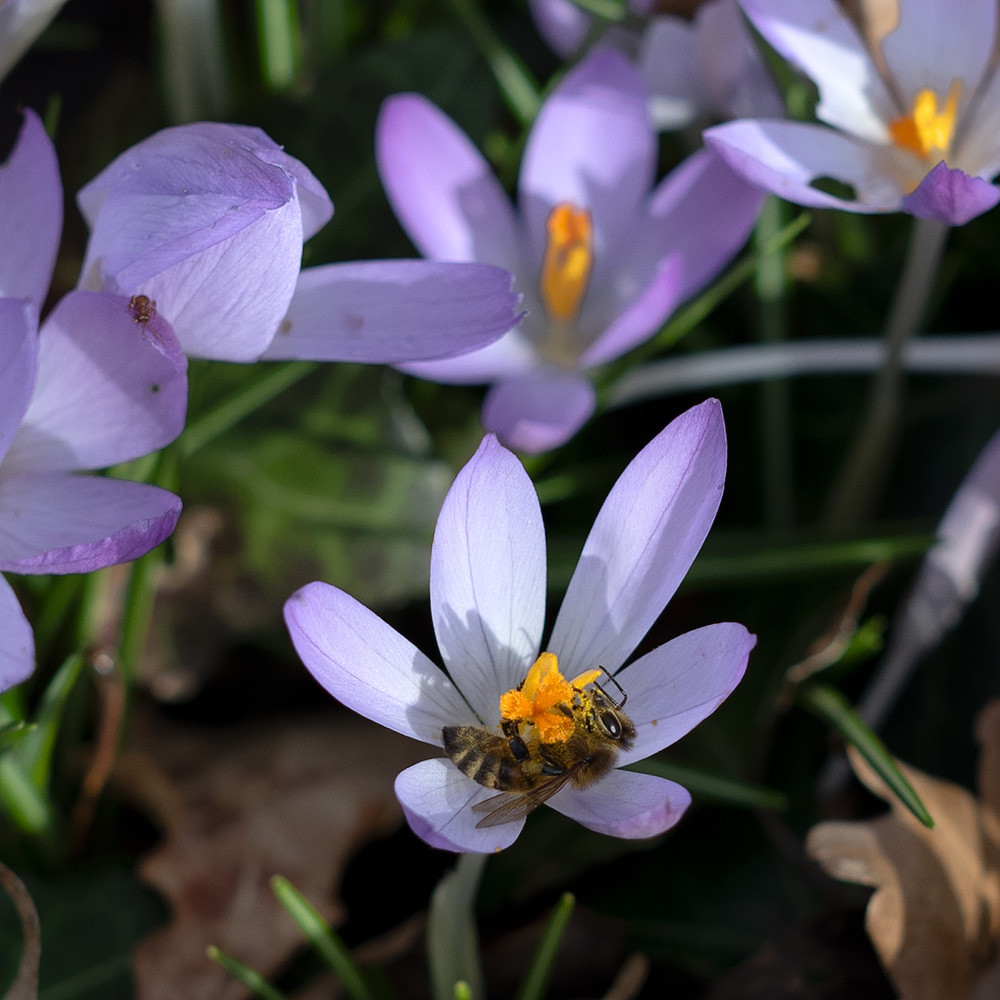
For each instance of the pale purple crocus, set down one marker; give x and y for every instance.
(208, 221)
(915, 116)
(88, 391)
(600, 259)
(488, 605)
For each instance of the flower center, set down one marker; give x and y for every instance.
(928, 129)
(569, 255)
(545, 700)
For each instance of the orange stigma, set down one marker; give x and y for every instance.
(569, 255)
(928, 130)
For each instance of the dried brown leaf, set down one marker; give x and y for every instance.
(934, 917)
(294, 798)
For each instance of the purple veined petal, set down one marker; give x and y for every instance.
(31, 209)
(936, 43)
(643, 541)
(784, 157)
(539, 411)
(488, 578)
(671, 69)
(625, 804)
(17, 642)
(736, 80)
(21, 22)
(394, 311)
(643, 317)
(561, 23)
(977, 149)
(18, 362)
(951, 196)
(315, 203)
(442, 190)
(818, 37)
(513, 354)
(677, 685)
(227, 302)
(593, 145)
(370, 667)
(105, 393)
(51, 522)
(437, 800)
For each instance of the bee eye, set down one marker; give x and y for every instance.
(611, 724)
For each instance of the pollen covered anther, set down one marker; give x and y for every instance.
(927, 129)
(569, 255)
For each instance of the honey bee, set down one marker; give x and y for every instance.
(528, 772)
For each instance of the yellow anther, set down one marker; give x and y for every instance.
(538, 699)
(927, 130)
(569, 254)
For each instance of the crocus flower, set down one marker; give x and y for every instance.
(708, 68)
(488, 604)
(566, 25)
(915, 117)
(87, 391)
(601, 260)
(208, 222)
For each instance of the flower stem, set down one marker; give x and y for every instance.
(452, 940)
(858, 483)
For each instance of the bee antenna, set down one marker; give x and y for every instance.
(619, 705)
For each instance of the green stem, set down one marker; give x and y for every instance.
(452, 940)
(858, 483)
(536, 982)
(516, 84)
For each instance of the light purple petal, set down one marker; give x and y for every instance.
(513, 354)
(593, 145)
(951, 196)
(317, 209)
(56, 523)
(624, 804)
(21, 22)
(488, 578)
(677, 685)
(370, 667)
(561, 23)
(17, 643)
(670, 66)
(644, 540)
(784, 157)
(31, 209)
(936, 43)
(540, 411)
(437, 800)
(393, 311)
(443, 192)
(18, 360)
(106, 392)
(643, 317)
(819, 38)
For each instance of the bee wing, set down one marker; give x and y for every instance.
(509, 806)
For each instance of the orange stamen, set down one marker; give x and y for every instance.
(569, 255)
(537, 700)
(927, 130)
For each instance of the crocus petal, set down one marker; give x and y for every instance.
(785, 157)
(643, 541)
(31, 209)
(819, 38)
(443, 192)
(370, 667)
(317, 209)
(17, 643)
(488, 577)
(561, 23)
(18, 360)
(668, 60)
(512, 354)
(593, 145)
(56, 523)
(677, 685)
(540, 411)
(642, 317)
(21, 22)
(951, 196)
(437, 800)
(105, 392)
(935, 44)
(625, 804)
(393, 311)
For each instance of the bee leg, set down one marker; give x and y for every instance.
(518, 748)
(550, 764)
